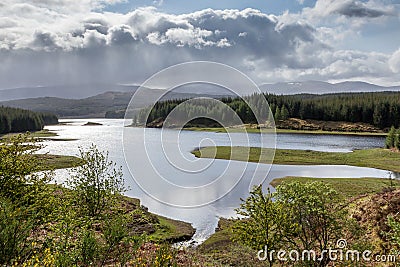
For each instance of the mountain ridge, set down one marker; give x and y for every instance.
(88, 90)
(94, 106)
(319, 87)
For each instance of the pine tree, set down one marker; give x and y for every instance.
(278, 114)
(284, 113)
(390, 139)
(397, 140)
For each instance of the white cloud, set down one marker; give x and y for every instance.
(158, 2)
(73, 40)
(394, 62)
(195, 37)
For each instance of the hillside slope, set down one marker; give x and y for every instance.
(95, 106)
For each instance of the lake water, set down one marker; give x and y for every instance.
(169, 178)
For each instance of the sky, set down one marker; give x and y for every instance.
(58, 42)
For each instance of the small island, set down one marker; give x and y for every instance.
(91, 123)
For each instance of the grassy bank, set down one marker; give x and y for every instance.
(123, 235)
(374, 158)
(39, 134)
(157, 228)
(52, 162)
(87, 223)
(348, 187)
(172, 231)
(226, 252)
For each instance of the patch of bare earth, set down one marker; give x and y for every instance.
(314, 125)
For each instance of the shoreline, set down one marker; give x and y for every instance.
(168, 230)
(42, 135)
(377, 158)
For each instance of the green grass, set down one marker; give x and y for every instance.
(220, 238)
(52, 162)
(39, 134)
(172, 231)
(348, 187)
(384, 159)
(255, 130)
(225, 252)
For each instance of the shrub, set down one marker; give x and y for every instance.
(88, 248)
(394, 233)
(302, 216)
(391, 138)
(15, 228)
(19, 180)
(262, 222)
(97, 182)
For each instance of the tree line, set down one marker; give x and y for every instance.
(227, 111)
(379, 109)
(15, 120)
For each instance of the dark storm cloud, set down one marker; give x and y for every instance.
(45, 41)
(352, 9)
(358, 9)
(120, 35)
(99, 25)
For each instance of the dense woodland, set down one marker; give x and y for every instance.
(15, 120)
(379, 109)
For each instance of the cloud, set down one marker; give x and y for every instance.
(120, 35)
(352, 8)
(94, 38)
(45, 41)
(338, 66)
(158, 2)
(96, 24)
(60, 6)
(74, 41)
(394, 62)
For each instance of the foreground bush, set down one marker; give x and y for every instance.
(301, 216)
(97, 182)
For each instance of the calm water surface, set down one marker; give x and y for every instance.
(204, 219)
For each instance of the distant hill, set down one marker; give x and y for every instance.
(64, 101)
(317, 87)
(288, 88)
(63, 91)
(88, 90)
(112, 103)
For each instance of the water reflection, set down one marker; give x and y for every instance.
(204, 219)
